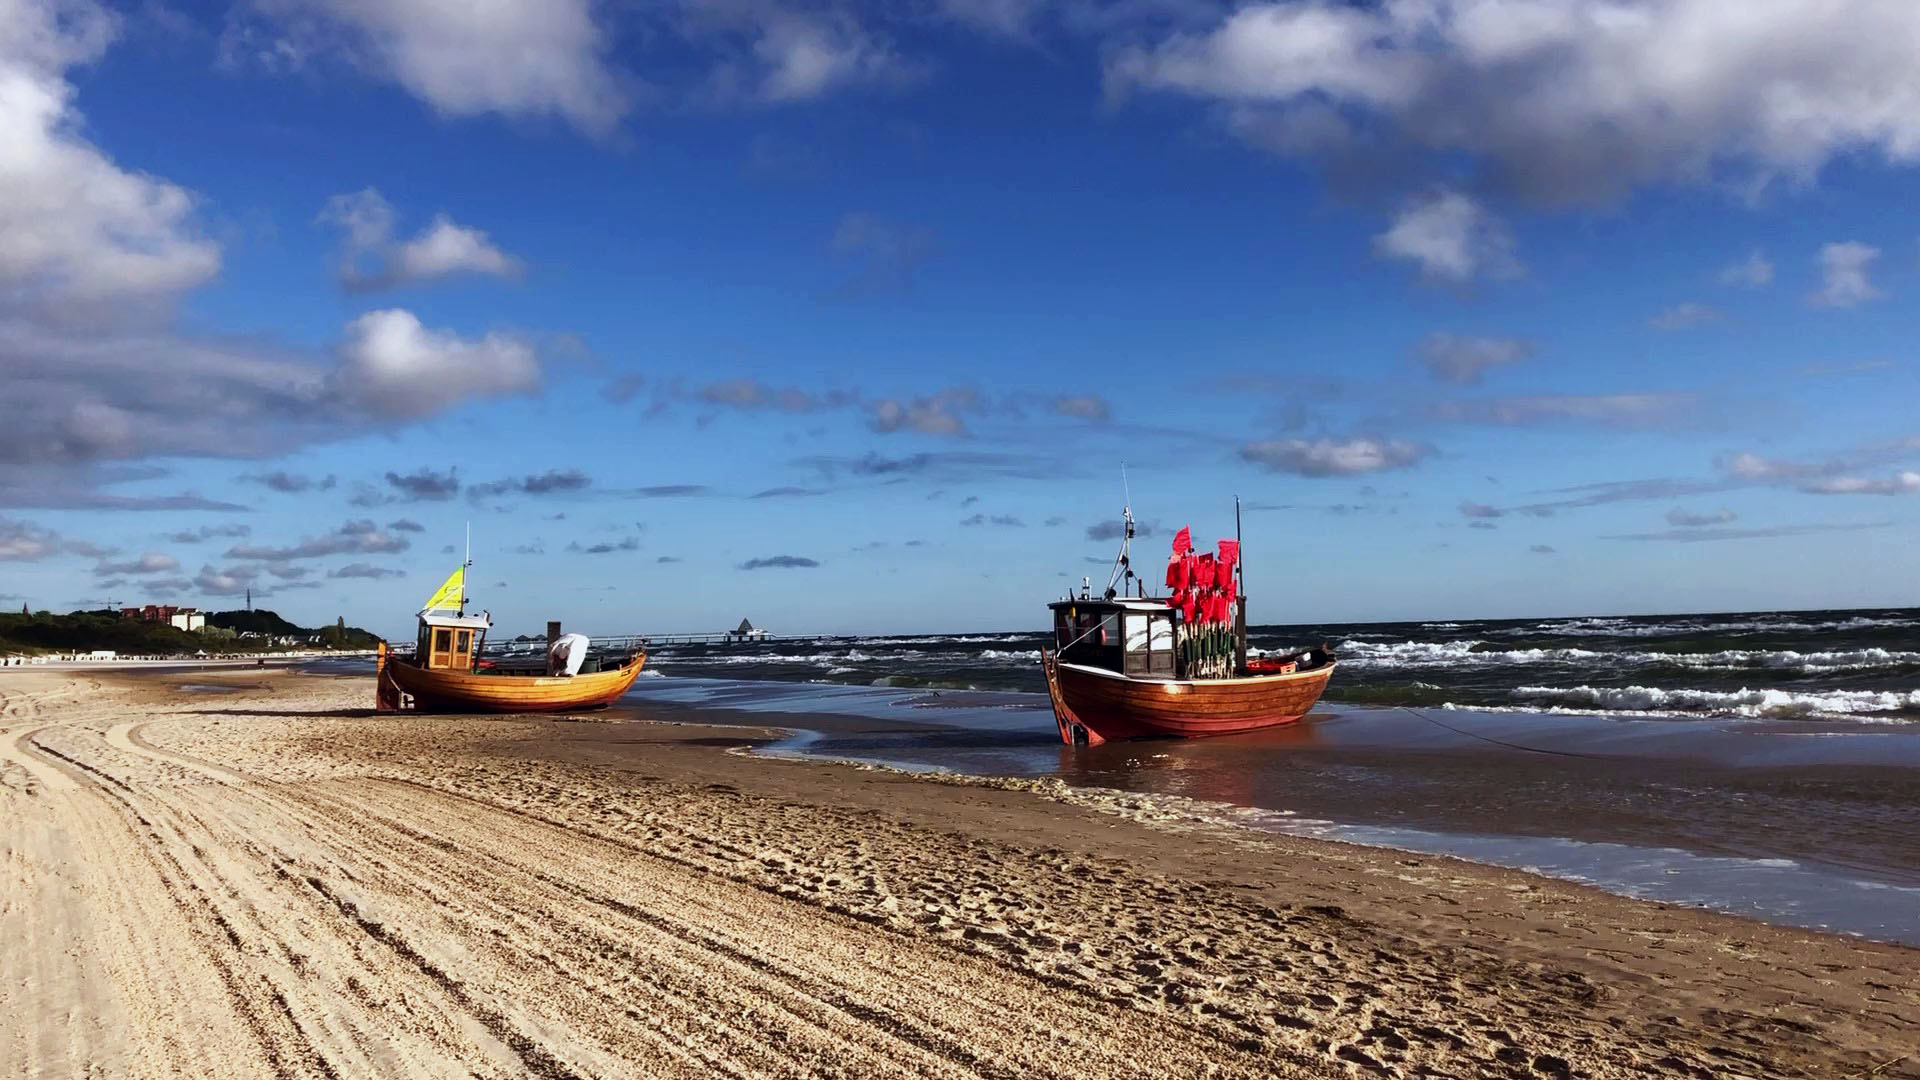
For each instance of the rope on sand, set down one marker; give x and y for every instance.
(1497, 742)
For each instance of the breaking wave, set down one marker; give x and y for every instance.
(1769, 704)
(1429, 654)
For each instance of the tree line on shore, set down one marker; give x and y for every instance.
(225, 632)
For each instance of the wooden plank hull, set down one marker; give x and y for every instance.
(459, 691)
(1094, 706)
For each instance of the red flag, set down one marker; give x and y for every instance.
(1173, 571)
(1183, 541)
(1229, 552)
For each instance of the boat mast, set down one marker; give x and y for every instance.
(468, 567)
(1240, 605)
(1122, 572)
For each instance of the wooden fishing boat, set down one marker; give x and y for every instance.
(1129, 667)
(445, 674)
(445, 690)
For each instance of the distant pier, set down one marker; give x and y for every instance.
(723, 637)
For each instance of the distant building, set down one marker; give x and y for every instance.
(180, 618)
(746, 631)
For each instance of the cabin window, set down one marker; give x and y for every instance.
(442, 640)
(462, 640)
(1110, 630)
(1136, 657)
(1160, 646)
(1062, 630)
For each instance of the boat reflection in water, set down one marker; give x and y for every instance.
(1249, 769)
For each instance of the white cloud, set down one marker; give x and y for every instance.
(153, 562)
(1573, 100)
(447, 248)
(886, 254)
(804, 58)
(75, 228)
(365, 216)
(93, 259)
(1451, 238)
(937, 414)
(361, 537)
(1611, 410)
(1687, 519)
(516, 58)
(22, 541)
(775, 53)
(1843, 272)
(1334, 457)
(1010, 18)
(1837, 476)
(224, 581)
(1750, 466)
(1462, 361)
(1090, 407)
(1685, 316)
(1754, 272)
(399, 368)
(1906, 482)
(444, 249)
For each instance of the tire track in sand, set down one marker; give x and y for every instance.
(635, 977)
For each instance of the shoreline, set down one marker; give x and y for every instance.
(587, 893)
(1769, 820)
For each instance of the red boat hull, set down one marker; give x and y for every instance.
(1094, 706)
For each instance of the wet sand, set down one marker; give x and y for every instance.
(270, 881)
(1805, 823)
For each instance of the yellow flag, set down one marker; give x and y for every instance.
(450, 595)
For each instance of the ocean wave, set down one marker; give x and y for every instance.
(1472, 653)
(1789, 660)
(1625, 628)
(1771, 704)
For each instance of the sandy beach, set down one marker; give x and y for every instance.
(243, 874)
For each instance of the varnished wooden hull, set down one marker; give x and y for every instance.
(457, 691)
(1093, 706)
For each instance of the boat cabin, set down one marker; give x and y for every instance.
(1133, 637)
(450, 642)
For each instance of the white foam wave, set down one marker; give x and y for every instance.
(1622, 628)
(1434, 654)
(1771, 704)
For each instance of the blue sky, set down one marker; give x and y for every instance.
(845, 317)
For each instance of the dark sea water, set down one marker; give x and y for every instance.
(1863, 665)
(1764, 764)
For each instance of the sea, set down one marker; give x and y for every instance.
(1813, 665)
(1765, 764)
